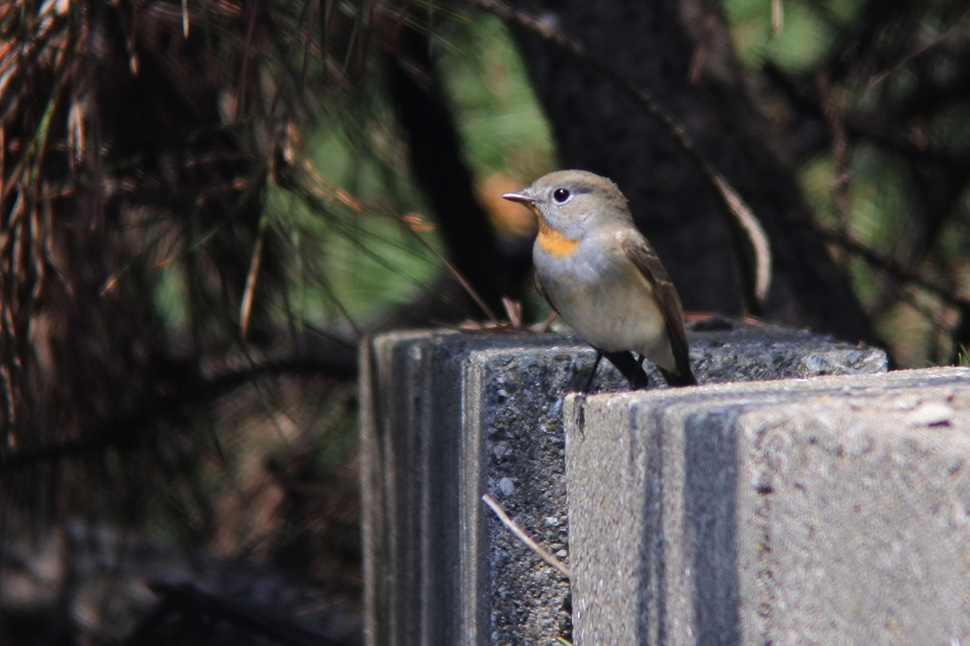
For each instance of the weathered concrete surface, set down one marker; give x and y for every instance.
(821, 511)
(723, 350)
(447, 417)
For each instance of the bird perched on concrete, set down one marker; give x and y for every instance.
(604, 278)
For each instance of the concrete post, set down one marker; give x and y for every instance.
(449, 416)
(833, 510)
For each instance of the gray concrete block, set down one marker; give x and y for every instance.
(813, 511)
(448, 416)
(723, 350)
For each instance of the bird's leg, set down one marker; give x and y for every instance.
(592, 373)
(629, 368)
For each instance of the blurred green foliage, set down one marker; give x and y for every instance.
(882, 197)
(357, 261)
(499, 118)
(870, 190)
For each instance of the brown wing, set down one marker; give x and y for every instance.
(637, 249)
(542, 291)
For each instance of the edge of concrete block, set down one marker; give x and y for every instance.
(638, 443)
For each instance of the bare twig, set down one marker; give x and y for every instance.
(519, 533)
(246, 307)
(840, 152)
(411, 223)
(129, 429)
(187, 598)
(883, 75)
(409, 226)
(891, 266)
(548, 322)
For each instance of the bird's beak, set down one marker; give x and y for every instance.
(520, 197)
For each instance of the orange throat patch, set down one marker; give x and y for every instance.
(553, 242)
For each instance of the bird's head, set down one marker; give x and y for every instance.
(573, 202)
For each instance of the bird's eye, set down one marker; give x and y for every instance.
(560, 195)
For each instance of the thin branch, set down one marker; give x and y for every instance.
(410, 226)
(891, 266)
(839, 152)
(186, 598)
(246, 306)
(941, 38)
(126, 430)
(519, 533)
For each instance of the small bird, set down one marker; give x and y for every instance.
(604, 278)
